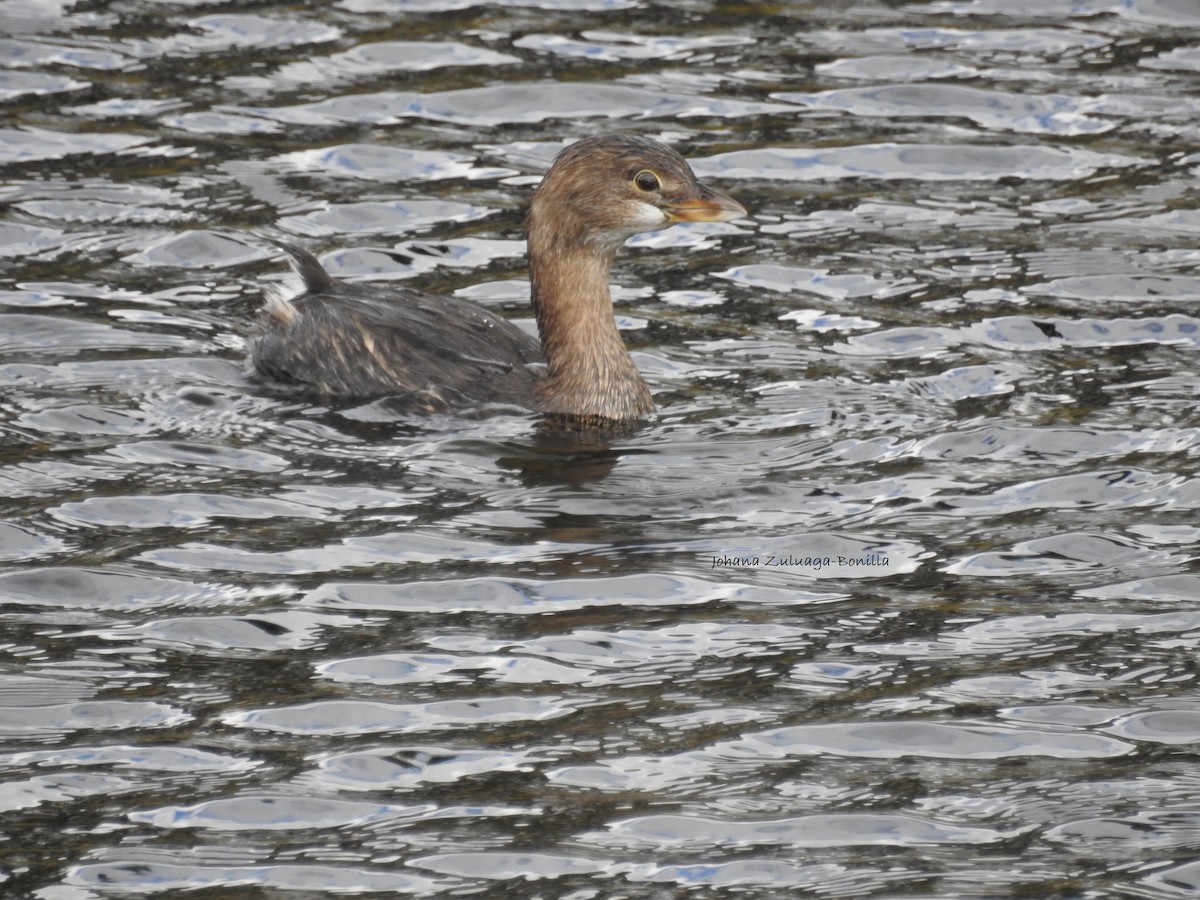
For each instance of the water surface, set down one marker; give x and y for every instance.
(897, 596)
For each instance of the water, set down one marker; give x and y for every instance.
(896, 597)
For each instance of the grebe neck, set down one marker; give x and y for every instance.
(589, 371)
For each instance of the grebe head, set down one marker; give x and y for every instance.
(602, 190)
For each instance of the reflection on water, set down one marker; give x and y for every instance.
(896, 596)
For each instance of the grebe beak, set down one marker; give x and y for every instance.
(709, 205)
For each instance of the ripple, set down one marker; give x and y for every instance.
(377, 162)
(1132, 288)
(22, 542)
(1115, 489)
(499, 865)
(1175, 13)
(411, 766)
(78, 587)
(192, 455)
(631, 651)
(1161, 588)
(967, 382)
(829, 830)
(28, 333)
(1015, 634)
(347, 717)
(893, 68)
(1073, 715)
(14, 85)
(816, 281)
(817, 878)
(149, 877)
(356, 552)
(928, 740)
(1025, 333)
(374, 217)
(1174, 828)
(510, 104)
(1062, 554)
(1167, 726)
(1030, 685)
(224, 32)
(608, 46)
(144, 758)
(279, 812)
(119, 210)
(269, 632)
(29, 144)
(200, 249)
(369, 61)
(392, 7)
(1057, 114)
(919, 162)
(29, 53)
(18, 240)
(1026, 43)
(1006, 442)
(428, 668)
(509, 596)
(89, 715)
(177, 510)
(212, 122)
(1181, 59)
(1176, 881)
(63, 788)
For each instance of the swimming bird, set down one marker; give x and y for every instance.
(343, 340)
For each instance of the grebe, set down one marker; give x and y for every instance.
(360, 340)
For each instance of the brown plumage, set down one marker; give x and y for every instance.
(360, 340)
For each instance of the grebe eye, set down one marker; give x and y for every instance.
(646, 180)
